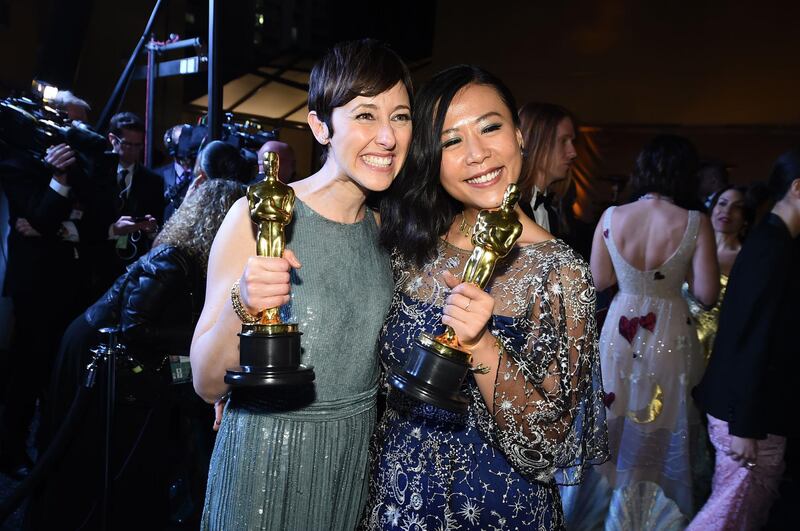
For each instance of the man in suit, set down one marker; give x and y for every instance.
(748, 388)
(50, 213)
(138, 199)
(548, 133)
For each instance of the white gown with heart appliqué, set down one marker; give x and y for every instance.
(651, 359)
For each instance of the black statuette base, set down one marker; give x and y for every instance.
(432, 378)
(269, 360)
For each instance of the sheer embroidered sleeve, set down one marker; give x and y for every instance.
(548, 415)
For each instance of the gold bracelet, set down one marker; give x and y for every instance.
(236, 300)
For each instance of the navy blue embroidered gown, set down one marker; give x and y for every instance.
(498, 467)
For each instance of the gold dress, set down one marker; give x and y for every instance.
(706, 320)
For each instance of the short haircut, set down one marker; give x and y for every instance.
(350, 69)
(784, 172)
(667, 166)
(125, 120)
(539, 127)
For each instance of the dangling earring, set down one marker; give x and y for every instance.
(522, 151)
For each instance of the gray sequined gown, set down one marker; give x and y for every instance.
(299, 460)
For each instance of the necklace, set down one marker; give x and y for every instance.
(465, 228)
(649, 196)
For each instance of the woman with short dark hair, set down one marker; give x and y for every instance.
(649, 350)
(296, 459)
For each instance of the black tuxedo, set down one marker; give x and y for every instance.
(46, 279)
(174, 188)
(749, 382)
(144, 196)
(550, 208)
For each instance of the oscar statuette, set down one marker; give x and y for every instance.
(269, 350)
(436, 367)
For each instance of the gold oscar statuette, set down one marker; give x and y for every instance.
(271, 203)
(437, 366)
(269, 350)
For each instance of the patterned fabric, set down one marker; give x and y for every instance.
(741, 498)
(297, 459)
(707, 320)
(655, 435)
(493, 468)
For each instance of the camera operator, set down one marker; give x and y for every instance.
(138, 201)
(182, 142)
(44, 277)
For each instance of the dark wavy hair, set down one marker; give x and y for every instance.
(748, 207)
(539, 126)
(416, 210)
(784, 172)
(667, 166)
(194, 225)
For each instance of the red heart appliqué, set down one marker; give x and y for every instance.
(608, 398)
(627, 327)
(648, 321)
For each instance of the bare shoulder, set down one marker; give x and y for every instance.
(235, 240)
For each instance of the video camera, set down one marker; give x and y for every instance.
(247, 136)
(29, 126)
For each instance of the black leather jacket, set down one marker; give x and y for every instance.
(157, 303)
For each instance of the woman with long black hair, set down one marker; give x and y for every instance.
(535, 414)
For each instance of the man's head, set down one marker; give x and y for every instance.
(548, 132)
(286, 169)
(126, 135)
(784, 181)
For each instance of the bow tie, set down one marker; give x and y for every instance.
(542, 199)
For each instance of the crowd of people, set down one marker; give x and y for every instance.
(667, 411)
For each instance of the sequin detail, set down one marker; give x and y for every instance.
(498, 467)
(654, 428)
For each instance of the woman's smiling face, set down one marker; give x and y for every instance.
(371, 137)
(481, 148)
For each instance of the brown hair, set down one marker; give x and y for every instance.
(194, 225)
(539, 126)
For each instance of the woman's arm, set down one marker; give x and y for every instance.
(263, 283)
(602, 267)
(704, 280)
(553, 380)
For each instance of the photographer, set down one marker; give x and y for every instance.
(44, 277)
